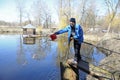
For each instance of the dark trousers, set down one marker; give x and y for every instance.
(77, 47)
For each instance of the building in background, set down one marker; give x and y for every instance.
(29, 30)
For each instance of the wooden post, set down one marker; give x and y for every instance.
(68, 72)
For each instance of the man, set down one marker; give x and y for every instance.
(75, 33)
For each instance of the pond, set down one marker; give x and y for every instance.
(37, 58)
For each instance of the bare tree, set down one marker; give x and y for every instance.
(87, 14)
(64, 11)
(91, 16)
(42, 13)
(67, 11)
(46, 15)
(37, 12)
(20, 6)
(83, 12)
(28, 16)
(47, 21)
(112, 6)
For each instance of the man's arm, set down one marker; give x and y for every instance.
(62, 31)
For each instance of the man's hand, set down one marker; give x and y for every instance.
(71, 38)
(53, 37)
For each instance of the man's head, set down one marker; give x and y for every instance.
(72, 22)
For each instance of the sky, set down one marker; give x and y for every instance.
(8, 10)
(9, 13)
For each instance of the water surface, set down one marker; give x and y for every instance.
(20, 61)
(37, 58)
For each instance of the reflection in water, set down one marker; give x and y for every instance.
(91, 54)
(86, 52)
(38, 48)
(28, 40)
(97, 56)
(21, 59)
(40, 60)
(42, 47)
(64, 51)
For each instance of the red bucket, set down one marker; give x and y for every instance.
(53, 37)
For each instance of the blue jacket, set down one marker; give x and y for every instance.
(78, 33)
